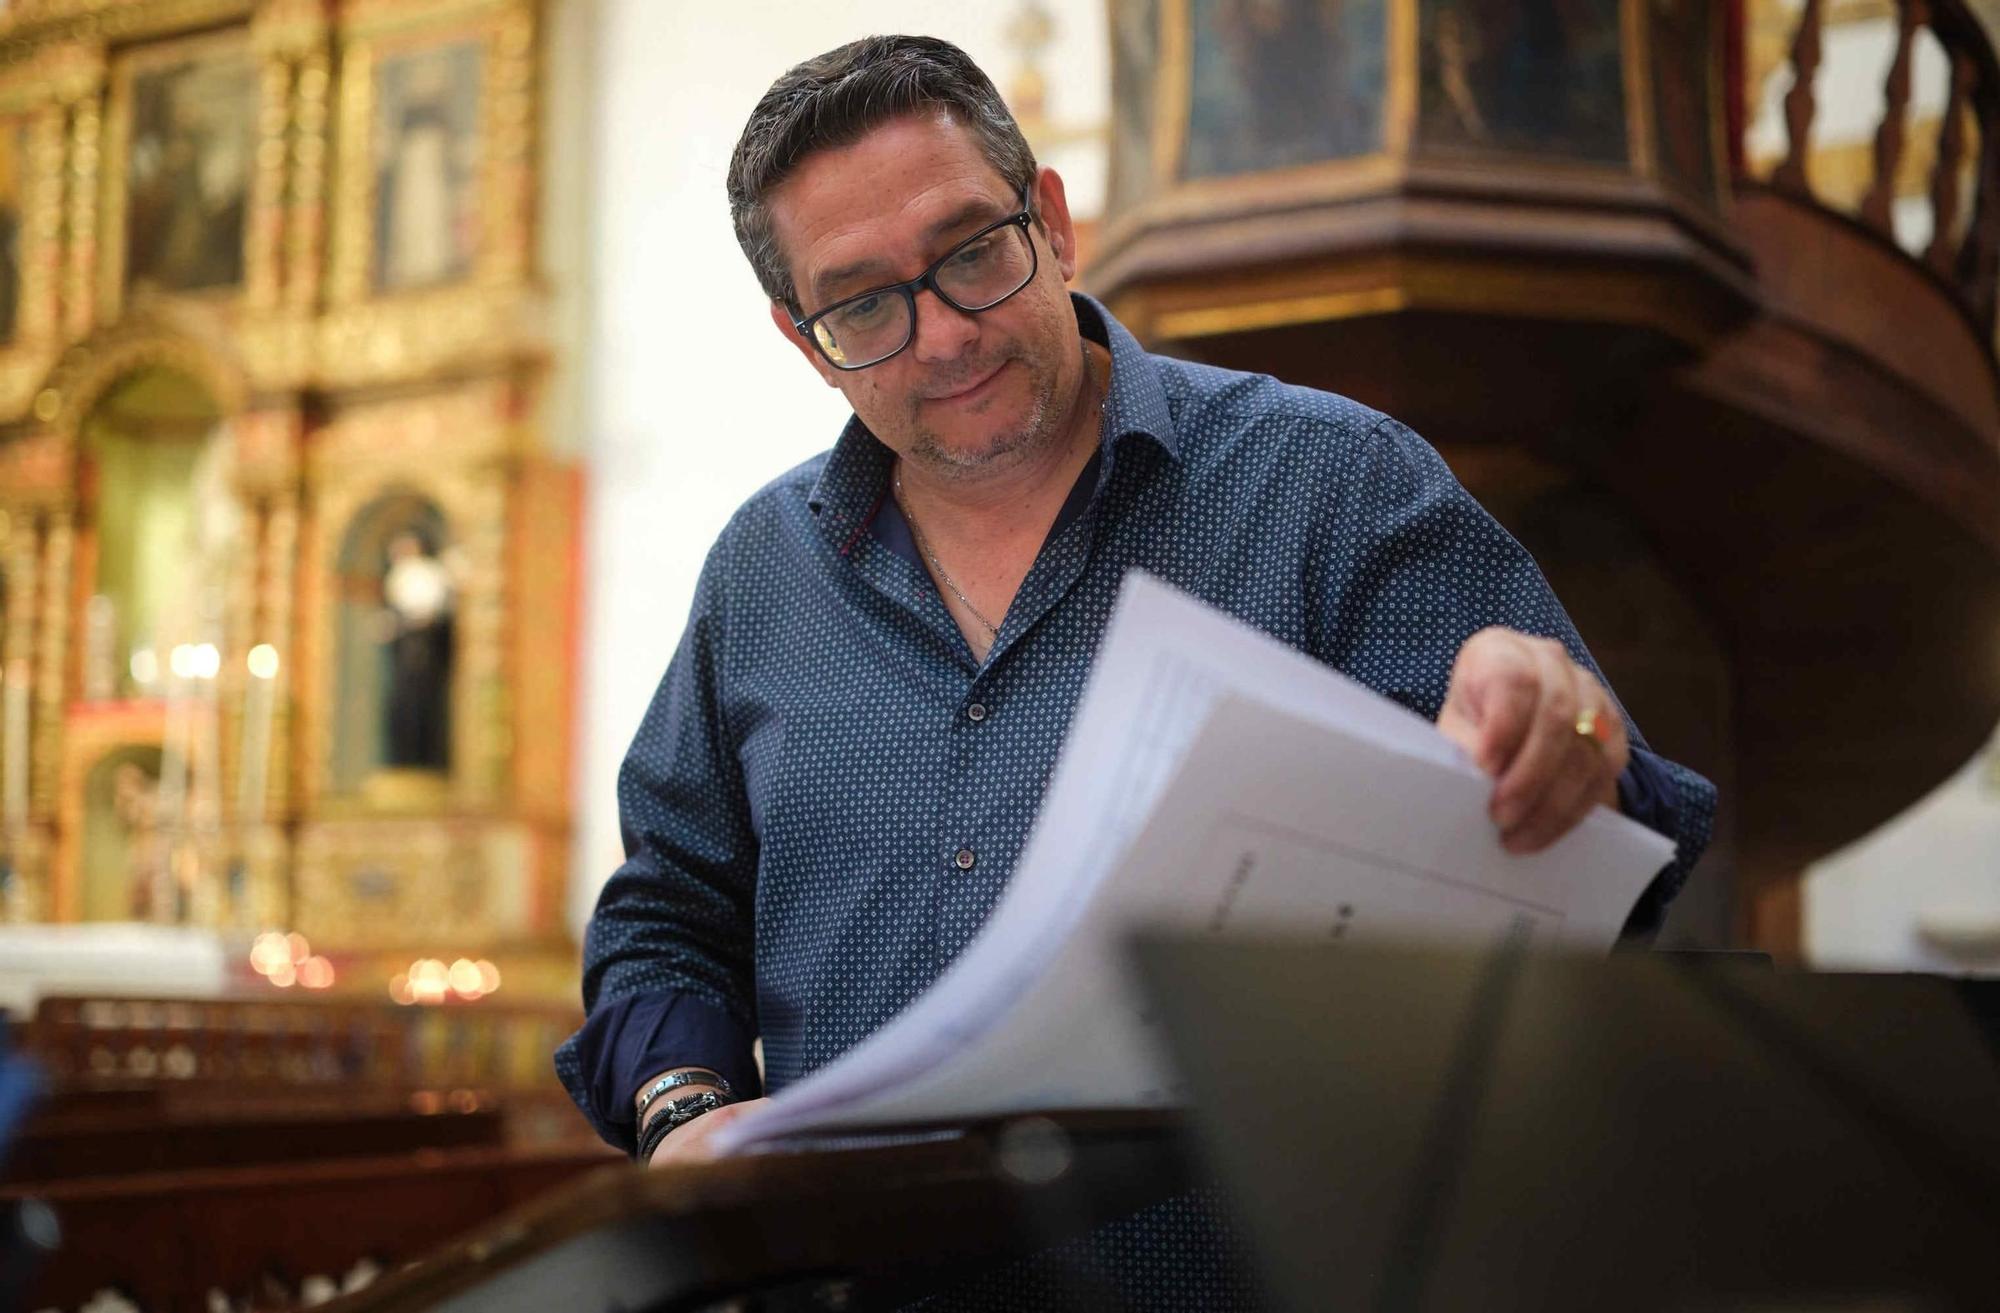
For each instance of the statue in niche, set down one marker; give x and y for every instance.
(417, 592)
(135, 806)
(124, 871)
(398, 580)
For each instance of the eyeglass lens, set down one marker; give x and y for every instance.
(977, 276)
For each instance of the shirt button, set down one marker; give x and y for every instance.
(964, 860)
(976, 712)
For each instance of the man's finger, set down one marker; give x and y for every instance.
(1568, 799)
(1494, 689)
(1551, 734)
(1584, 777)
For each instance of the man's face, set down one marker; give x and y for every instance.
(970, 392)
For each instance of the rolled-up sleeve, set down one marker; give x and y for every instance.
(667, 958)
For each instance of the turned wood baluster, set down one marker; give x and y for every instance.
(1878, 207)
(1791, 175)
(1979, 259)
(1950, 162)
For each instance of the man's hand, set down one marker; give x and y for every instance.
(1514, 706)
(690, 1143)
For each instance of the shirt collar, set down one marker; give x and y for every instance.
(1137, 402)
(852, 483)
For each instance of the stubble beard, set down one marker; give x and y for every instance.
(1038, 430)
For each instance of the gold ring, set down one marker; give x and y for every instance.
(1589, 727)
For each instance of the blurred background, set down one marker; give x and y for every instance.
(374, 377)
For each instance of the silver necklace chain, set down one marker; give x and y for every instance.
(923, 545)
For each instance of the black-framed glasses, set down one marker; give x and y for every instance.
(977, 274)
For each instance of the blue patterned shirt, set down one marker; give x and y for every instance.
(828, 793)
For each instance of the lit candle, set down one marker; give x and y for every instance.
(258, 703)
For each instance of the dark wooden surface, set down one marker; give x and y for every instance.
(243, 1145)
(167, 1238)
(126, 1139)
(852, 1227)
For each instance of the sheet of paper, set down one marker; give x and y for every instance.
(1211, 773)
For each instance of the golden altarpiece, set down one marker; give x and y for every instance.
(286, 553)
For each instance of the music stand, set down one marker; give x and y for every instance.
(1422, 1129)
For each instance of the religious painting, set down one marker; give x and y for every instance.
(1277, 83)
(1684, 95)
(426, 153)
(190, 147)
(1542, 77)
(13, 185)
(1135, 57)
(399, 587)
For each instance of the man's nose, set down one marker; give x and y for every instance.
(941, 333)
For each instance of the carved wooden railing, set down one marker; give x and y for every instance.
(298, 1055)
(1964, 256)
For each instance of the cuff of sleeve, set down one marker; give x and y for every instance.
(1673, 801)
(630, 1039)
(1646, 794)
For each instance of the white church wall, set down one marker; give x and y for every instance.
(1920, 894)
(689, 402)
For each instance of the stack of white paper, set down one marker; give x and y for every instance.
(1212, 777)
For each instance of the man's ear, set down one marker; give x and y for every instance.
(1052, 208)
(781, 316)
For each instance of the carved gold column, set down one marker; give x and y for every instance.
(347, 274)
(281, 546)
(305, 230)
(23, 585)
(17, 645)
(263, 260)
(309, 677)
(511, 133)
(86, 140)
(291, 37)
(41, 281)
(50, 659)
(242, 631)
(269, 891)
(481, 655)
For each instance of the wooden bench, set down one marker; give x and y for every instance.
(251, 1056)
(165, 1239)
(128, 1140)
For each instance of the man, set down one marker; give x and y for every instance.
(832, 784)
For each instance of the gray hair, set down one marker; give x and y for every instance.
(833, 100)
